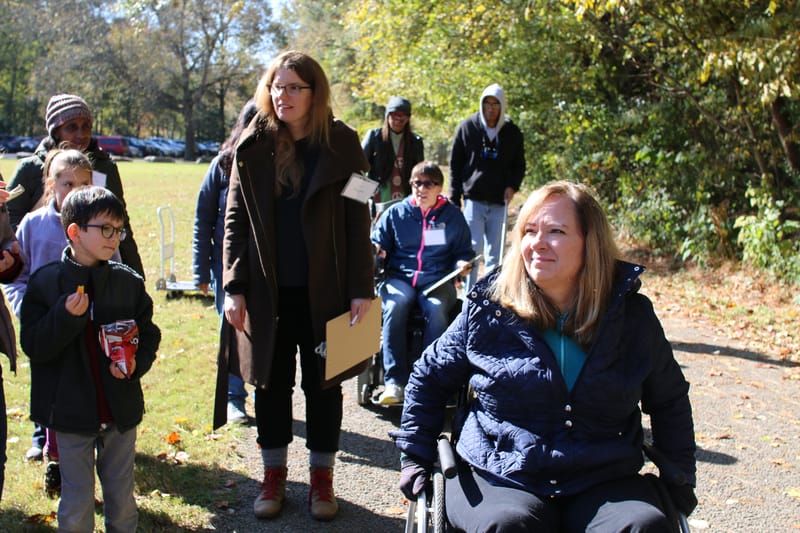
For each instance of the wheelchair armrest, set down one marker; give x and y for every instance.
(447, 459)
(669, 471)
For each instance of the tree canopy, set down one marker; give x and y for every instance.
(682, 114)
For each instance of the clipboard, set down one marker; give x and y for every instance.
(449, 276)
(346, 346)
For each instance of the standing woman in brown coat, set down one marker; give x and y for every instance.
(296, 253)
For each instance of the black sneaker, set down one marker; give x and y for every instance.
(52, 480)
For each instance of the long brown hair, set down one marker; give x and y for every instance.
(288, 169)
(514, 289)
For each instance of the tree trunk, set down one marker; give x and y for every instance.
(188, 119)
(784, 126)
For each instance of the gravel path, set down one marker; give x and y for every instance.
(747, 421)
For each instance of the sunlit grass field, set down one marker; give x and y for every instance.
(182, 467)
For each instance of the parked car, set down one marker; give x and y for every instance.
(114, 144)
(9, 143)
(135, 146)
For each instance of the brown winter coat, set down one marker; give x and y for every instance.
(336, 232)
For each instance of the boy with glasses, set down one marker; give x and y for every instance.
(487, 164)
(92, 403)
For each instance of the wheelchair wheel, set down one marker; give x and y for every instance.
(437, 515)
(363, 389)
(427, 514)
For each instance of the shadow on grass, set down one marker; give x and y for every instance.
(16, 520)
(203, 486)
(227, 496)
(726, 351)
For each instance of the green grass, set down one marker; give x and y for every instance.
(174, 491)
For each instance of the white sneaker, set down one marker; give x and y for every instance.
(236, 413)
(392, 394)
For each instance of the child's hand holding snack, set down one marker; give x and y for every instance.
(119, 341)
(119, 374)
(78, 302)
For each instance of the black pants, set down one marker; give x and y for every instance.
(274, 405)
(626, 504)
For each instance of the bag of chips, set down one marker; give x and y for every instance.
(119, 341)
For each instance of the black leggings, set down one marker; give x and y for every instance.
(627, 504)
(274, 405)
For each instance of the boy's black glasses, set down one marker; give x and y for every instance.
(108, 231)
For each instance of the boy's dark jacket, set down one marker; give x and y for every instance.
(62, 388)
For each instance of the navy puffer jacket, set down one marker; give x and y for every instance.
(523, 427)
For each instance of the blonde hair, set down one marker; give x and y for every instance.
(514, 289)
(56, 162)
(288, 170)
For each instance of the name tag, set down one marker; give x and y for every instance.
(359, 188)
(98, 178)
(434, 237)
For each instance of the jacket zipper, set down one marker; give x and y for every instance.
(425, 226)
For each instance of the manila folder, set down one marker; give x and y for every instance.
(346, 345)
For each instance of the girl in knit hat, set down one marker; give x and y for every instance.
(68, 121)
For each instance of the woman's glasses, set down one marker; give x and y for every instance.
(108, 231)
(423, 184)
(293, 89)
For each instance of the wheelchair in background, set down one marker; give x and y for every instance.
(429, 515)
(369, 383)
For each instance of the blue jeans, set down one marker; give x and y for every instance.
(399, 298)
(485, 222)
(236, 392)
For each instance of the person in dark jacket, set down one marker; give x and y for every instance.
(563, 354)
(296, 254)
(92, 402)
(69, 125)
(421, 240)
(392, 151)
(209, 227)
(11, 264)
(487, 164)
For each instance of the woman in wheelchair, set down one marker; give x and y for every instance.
(562, 355)
(421, 239)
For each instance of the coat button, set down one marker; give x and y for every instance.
(498, 313)
(553, 482)
(568, 408)
(241, 163)
(568, 423)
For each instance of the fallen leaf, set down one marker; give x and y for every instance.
(40, 518)
(721, 436)
(173, 438)
(396, 511)
(794, 492)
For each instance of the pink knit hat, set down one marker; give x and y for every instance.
(65, 107)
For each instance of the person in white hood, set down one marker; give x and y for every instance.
(487, 164)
